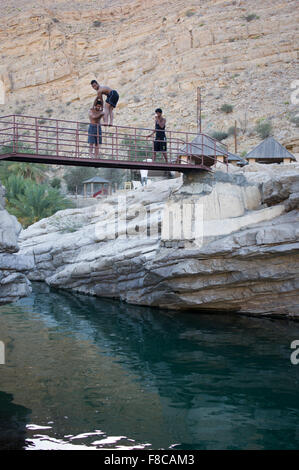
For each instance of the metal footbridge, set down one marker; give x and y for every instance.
(61, 142)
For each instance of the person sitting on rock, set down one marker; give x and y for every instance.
(94, 129)
(110, 103)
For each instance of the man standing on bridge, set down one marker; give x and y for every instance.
(160, 144)
(94, 129)
(110, 103)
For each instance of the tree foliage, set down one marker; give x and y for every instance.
(30, 201)
(264, 129)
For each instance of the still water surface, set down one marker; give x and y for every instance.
(87, 373)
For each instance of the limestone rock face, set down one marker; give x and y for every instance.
(155, 53)
(13, 267)
(205, 242)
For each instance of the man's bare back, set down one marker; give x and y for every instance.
(110, 102)
(103, 90)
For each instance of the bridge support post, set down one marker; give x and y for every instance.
(190, 176)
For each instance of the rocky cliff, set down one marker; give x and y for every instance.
(155, 53)
(234, 248)
(13, 268)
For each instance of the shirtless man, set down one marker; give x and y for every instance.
(94, 129)
(110, 103)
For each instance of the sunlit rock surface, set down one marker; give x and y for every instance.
(242, 254)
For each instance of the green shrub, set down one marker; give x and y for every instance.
(219, 135)
(263, 129)
(231, 130)
(190, 13)
(30, 201)
(251, 17)
(56, 183)
(227, 108)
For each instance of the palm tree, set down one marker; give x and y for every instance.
(33, 171)
(14, 186)
(4, 170)
(37, 202)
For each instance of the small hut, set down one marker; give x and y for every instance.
(270, 151)
(203, 149)
(236, 160)
(96, 186)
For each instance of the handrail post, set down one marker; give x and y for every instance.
(36, 136)
(17, 138)
(135, 146)
(189, 149)
(14, 134)
(57, 136)
(77, 141)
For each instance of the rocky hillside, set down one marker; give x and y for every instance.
(155, 53)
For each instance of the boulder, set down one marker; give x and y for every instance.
(13, 267)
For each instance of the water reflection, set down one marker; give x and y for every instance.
(13, 419)
(100, 373)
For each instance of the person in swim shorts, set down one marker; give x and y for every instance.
(94, 129)
(160, 144)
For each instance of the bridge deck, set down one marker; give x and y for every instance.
(61, 142)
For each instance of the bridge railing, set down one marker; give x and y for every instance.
(70, 139)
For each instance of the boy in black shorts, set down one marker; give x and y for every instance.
(160, 144)
(110, 103)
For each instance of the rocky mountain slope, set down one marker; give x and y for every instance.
(155, 53)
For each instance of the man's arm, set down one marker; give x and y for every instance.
(99, 97)
(151, 135)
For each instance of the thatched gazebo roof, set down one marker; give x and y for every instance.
(237, 158)
(203, 145)
(270, 149)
